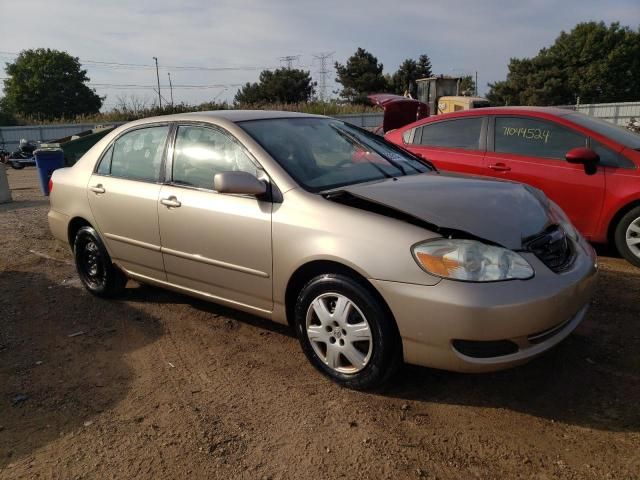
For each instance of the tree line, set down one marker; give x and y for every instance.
(592, 63)
(359, 76)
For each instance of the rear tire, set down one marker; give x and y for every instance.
(17, 165)
(347, 333)
(95, 269)
(627, 236)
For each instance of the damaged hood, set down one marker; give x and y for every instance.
(503, 213)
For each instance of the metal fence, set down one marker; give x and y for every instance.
(364, 120)
(618, 113)
(11, 135)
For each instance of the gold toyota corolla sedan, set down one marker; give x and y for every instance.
(369, 253)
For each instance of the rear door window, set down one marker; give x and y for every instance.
(535, 138)
(461, 133)
(137, 155)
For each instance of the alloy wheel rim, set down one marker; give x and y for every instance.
(632, 237)
(339, 333)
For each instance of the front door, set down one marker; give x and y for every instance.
(532, 151)
(214, 243)
(123, 195)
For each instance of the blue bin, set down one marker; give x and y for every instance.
(48, 160)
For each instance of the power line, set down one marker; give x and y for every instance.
(126, 66)
(324, 71)
(154, 87)
(289, 59)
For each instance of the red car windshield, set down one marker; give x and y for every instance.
(614, 132)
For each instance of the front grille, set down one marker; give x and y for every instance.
(553, 248)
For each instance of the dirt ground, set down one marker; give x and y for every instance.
(159, 385)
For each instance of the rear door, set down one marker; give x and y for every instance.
(123, 195)
(456, 145)
(215, 243)
(532, 150)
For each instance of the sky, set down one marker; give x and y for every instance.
(230, 42)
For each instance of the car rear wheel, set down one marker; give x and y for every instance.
(627, 236)
(97, 273)
(17, 165)
(347, 333)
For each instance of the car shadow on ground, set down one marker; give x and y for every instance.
(605, 250)
(147, 293)
(58, 371)
(592, 379)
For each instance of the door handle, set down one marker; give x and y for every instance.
(171, 202)
(97, 189)
(499, 167)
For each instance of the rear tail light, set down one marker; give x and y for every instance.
(50, 186)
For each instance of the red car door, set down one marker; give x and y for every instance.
(532, 150)
(455, 145)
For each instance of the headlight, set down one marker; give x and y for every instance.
(470, 261)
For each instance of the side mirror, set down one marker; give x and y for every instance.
(586, 157)
(242, 183)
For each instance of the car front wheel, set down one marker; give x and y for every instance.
(97, 273)
(627, 236)
(347, 333)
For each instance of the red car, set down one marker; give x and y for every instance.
(590, 167)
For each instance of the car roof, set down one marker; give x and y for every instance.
(537, 111)
(229, 115)
(555, 111)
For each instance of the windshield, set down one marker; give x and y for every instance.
(323, 153)
(614, 132)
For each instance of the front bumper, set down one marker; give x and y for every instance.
(534, 315)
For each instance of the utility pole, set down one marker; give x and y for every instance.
(158, 78)
(324, 71)
(170, 88)
(476, 83)
(289, 59)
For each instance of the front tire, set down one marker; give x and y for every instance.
(98, 275)
(627, 236)
(347, 333)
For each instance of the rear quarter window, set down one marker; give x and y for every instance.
(461, 133)
(104, 168)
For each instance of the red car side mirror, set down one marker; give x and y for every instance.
(586, 157)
